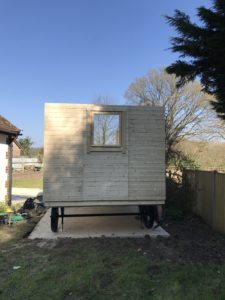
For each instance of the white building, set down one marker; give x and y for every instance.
(8, 133)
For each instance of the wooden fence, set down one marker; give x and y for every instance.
(205, 191)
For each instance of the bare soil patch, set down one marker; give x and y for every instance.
(28, 174)
(191, 240)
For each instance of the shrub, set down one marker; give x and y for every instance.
(4, 208)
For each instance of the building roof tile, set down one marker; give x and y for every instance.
(7, 127)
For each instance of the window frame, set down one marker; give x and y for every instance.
(122, 131)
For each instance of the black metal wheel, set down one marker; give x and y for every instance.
(148, 215)
(54, 219)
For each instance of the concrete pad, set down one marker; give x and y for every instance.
(20, 195)
(26, 192)
(90, 227)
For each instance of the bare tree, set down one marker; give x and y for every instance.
(106, 126)
(187, 111)
(103, 100)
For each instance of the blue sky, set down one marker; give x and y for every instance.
(72, 51)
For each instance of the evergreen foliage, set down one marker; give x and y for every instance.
(202, 51)
(26, 145)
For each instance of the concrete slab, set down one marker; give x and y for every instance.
(20, 195)
(26, 192)
(90, 227)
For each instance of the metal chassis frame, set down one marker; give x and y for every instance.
(140, 213)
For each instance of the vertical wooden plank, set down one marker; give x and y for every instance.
(213, 199)
(124, 131)
(209, 192)
(203, 191)
(219, 222)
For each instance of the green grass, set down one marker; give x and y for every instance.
(100, 269)
(92, 274)
(28, 183)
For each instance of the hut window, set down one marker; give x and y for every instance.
(106, 129)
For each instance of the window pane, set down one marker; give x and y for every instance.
(106, 129)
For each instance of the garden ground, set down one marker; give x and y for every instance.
(190, 264)
(28, 179)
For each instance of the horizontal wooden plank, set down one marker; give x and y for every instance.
(145, 144)
(57, 180)
(147, 162)
(76, 203)
(65, 125)
(105, 198)
(98, 191)
(64, 141)
(62, 177)
(69, 107)
(145, 109)
(65, 184)
(51, 163)
(150, 121)
(68, 162)
(64, 151)
(105, 176)
(62, 172)
(104, 162)
(147, 154)
(109, 172)
(55, 148)
(64, 110)
(105, 167)
(105, 186)
(56, 133)
(98, 162)
(146, 191)
(105, 179)
(145, 178)
(64, 122)
(57, 194)
(145, 134)
(157, 183)
(154, 188)
(79, 105)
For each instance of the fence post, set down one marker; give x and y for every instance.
(196, 208)
(213, 198)
(184, 184)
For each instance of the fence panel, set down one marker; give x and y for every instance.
(219, 215)
(205, 190)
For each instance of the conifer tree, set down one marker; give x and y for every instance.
(202, 51)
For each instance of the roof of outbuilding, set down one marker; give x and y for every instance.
(7, 127)
(18, 144)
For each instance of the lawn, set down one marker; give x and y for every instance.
(28, 183)
(188, 265)
(28, 179)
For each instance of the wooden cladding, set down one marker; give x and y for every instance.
(79, 172)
